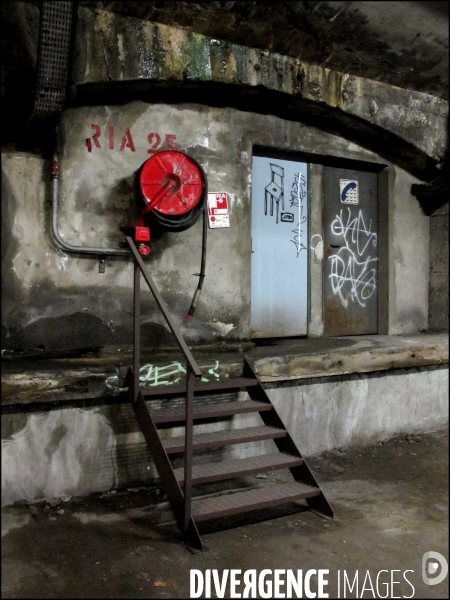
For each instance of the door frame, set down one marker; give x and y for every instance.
(315, 199)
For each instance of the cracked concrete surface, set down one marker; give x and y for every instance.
(390, 502)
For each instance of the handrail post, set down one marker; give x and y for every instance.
(192, 368)
(136, 330)
(188, 442)
(164, 310)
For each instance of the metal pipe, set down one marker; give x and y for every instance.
(58, 239)
(202, 273)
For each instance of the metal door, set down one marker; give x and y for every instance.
(279, 248)
(351, 252)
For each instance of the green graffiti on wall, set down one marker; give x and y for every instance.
(152, 375)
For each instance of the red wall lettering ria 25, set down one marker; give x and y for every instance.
(154, 140)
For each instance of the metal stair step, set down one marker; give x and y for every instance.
(204, 509)
(229, 469)
(209, 411)
(166, 391)
(223, 438)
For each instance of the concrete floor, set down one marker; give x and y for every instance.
(390, 502)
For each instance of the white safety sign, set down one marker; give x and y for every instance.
(218, 214)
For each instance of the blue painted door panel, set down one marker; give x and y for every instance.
(279, 277)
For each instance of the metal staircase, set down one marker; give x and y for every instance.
(178, 482)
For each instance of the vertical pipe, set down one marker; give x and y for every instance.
(57, 236)
(136, 329)
(188, 442)
(202, 273)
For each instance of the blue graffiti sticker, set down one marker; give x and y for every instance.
(349, 191)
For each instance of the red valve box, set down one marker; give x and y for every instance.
(141, 234)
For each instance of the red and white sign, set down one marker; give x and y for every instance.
(218, 214)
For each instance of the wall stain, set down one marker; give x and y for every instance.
(55, 440)
(12, 424)
(75, 330)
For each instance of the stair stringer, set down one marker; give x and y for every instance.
(301, 473)
(163, 465)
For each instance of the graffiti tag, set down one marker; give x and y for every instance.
(274, 191)
(298, 195)
(152, 375)
(353, 270)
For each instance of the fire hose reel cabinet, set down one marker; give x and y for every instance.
(170, 189)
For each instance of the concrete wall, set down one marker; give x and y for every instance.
(56, 299)
(75, 451)
(438, 299)
(408, 263)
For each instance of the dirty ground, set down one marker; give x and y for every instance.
(390, 502)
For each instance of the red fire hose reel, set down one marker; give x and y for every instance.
(170, 188)
(171, 183)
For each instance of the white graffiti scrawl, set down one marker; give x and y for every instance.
(353, 269)
(298, 199)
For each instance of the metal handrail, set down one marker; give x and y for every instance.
(192, 368)
(163, 308)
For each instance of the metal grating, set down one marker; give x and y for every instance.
(252, 516)
(228, 504)
(211, 410)
(54, 50)
(239, 467)
(199, 388)
(224, 438)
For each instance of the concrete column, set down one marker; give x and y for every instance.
(315, 320)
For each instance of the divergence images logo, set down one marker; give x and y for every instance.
(430, 567)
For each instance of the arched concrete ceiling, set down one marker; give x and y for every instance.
(119, 58)
(401, 43)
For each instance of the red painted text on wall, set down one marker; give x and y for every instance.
(154, 139)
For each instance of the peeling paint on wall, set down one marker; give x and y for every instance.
(317, 246)
(77, 455)
(222, 328)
